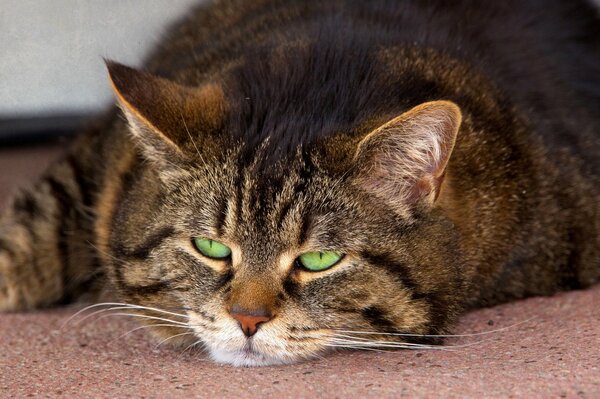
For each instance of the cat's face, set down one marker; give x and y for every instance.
(274, 262)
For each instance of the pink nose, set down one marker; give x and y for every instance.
(249, 319)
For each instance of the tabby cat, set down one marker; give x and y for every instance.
(295, 176)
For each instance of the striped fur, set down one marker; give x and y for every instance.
(444, 159)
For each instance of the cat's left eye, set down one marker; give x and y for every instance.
(211, 248)
(319, 261)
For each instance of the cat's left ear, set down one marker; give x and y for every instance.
(404, 161)
(164, 117)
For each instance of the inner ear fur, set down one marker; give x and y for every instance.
(404, 161)
(165, 116)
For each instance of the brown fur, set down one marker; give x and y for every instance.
(390, 132)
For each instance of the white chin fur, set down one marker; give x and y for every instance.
(246, 359)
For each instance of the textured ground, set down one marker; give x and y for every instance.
(551, 350)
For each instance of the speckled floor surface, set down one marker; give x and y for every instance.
(551, 349)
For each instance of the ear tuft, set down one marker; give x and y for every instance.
(404, 161)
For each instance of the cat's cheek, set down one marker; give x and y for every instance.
(139, 273)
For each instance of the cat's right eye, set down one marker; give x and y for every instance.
(212, 249)
(319, 261)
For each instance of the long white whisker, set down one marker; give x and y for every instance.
(436, 335)
(133, 306)
(397, 345)
(116, 306)
(373, 342)
(358, 345)
(143, 317)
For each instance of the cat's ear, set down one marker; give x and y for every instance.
(165, 117)
(404, 161)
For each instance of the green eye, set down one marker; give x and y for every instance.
(318, 261)
(211, 248)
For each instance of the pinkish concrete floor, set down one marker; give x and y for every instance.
(553, 352)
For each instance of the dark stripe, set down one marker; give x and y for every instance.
(150, 289)
(27, 205)
(568, 278)
(86, 187)
(301, 185)
(142, 251)
(305, 225)
(290, 287)
(397, 269)
(284, 212)
(238, 196)
(438, 305)
(376, 317)
(92, 282)
(144, 289)
(65, 205)
(224, 281)
(28, 211)
(222, 210)
(205, 315)
(6, 247)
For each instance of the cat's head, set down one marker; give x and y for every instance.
(278, 249)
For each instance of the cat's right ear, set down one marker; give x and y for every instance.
(404, 161)
(164, 117)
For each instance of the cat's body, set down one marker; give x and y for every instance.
(330, 125)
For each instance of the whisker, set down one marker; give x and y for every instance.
(356, 348)
(149, 326)
(408, 345)
(374, 342)
(437, 335)
(396, 345)
(191, 346)
(116, 306)
(144, 317)
(347, 336)
(171, 337)
(121, 261)
(191, 138)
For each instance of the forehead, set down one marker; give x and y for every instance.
(271, 203)
(268, 208)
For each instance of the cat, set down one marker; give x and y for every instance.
(290, 177)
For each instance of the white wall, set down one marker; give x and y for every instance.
(51, 50)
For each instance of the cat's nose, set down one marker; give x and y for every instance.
(250, 319)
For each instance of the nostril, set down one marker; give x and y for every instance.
(249, 320)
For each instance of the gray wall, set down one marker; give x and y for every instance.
(51, 50)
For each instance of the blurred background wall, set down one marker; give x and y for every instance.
(51, 50)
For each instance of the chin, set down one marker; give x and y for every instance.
(250, 358)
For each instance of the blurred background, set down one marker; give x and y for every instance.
(52, 77)
(51, 69)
